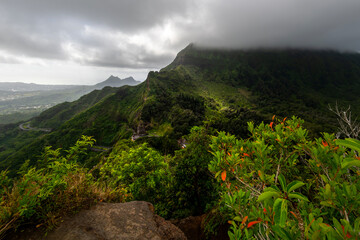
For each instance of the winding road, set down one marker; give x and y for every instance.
(26, 127)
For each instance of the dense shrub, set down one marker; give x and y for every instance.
(41, 196)
(178, 186)
(193, 188)
(279, 184)
(142, 170)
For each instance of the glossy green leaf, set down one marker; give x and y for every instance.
(350, 143)
(280, 208)
(298, 196)
(328, 190)
(350, 162)
(282, 182)
(272, 189)
(338, 226)
(294, 185)
(266, 195)
(237, 218)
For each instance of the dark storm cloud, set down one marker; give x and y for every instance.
(40, 29)
(127, 15)
(148, 33)
(118, 60)
(138, 57)
(22, 42)
(46, 29)
(284, 23)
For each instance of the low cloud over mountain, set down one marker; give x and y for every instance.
(142, 35)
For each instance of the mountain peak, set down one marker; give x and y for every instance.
(113, 77)
(114, 81)
(129, 79)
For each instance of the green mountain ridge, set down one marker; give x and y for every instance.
(22, 101)
(199, 137)
(216, 88)
(281, 79)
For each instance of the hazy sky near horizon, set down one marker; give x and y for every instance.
(85, 41)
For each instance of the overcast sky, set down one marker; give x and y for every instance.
(85, 41)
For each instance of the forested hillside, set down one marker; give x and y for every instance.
(22, 101)
(216, 88)
(159, 141)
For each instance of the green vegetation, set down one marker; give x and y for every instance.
(220, 89)
(19, 116)
(59, 186)
(57, 115)
(279, 184)
(194, 187)
(21, 106)
(142, 169)
(16, 145)
(22, 101)
(178, 185)
(166, 139)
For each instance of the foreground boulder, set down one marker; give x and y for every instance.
(110, 221)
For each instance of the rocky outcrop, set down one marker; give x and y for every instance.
(120, 221)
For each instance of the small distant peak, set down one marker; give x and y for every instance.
(114, 81)
(113, 77)
(129, 79)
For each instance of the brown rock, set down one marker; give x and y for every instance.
(120, 221)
